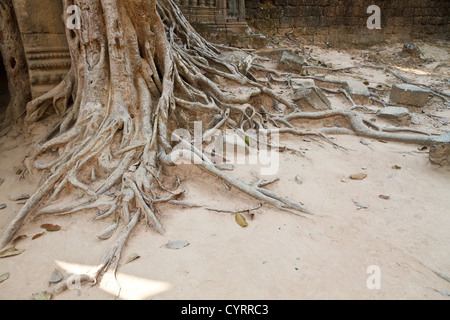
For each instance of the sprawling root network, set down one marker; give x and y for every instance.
(139, 71)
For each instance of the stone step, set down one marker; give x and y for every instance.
(409, 95)
(311, 96)
(358, 91)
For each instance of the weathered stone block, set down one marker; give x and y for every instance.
(311, 96)
(440, 150)
(253, 41)
(291, 62)
(358, 91)
(409, 95)
(395, 113)
(303, 83)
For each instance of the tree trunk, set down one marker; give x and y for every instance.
(139, 72)
(14, 59)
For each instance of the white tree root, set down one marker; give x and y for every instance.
(139, 72)
(360, 128)
(112, 258)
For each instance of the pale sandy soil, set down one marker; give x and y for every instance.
(279, 255)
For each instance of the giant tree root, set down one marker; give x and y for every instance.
(139, 72)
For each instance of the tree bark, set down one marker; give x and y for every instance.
(14, 59)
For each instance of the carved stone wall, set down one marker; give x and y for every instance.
(43, 32)
(216, 20)
(336, 21)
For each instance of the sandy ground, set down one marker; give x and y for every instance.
(279, 255)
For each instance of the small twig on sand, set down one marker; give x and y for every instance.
(234, 211)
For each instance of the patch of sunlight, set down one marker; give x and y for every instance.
(127, 287)
(415, 71)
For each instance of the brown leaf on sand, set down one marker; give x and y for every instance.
(382, 196)
(37, 235)
(240, 220)
(358, 176)
(51, 227)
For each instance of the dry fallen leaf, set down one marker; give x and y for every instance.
(55, 277)
(364, 142)
(240, 220)
(178, 244)
(132, 258)
(51, 227)
(42, 295)
(4, 277)
(18, 238)
(11, 251)
(360, 205)
(443, 292)
(382, 196)
(38, 235)
(358, 176)
(23, 196)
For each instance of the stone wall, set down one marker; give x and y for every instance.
(216, 20)
(45, 43)
(334, 21)
(344, 21)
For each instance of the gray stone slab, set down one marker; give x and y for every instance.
(358, 91)
(291, 62)
(409, 95)
(311, 96)
(395, 113)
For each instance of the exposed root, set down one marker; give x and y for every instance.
(112, 258)
(139, 73)
(362, 127)
(59, 98)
